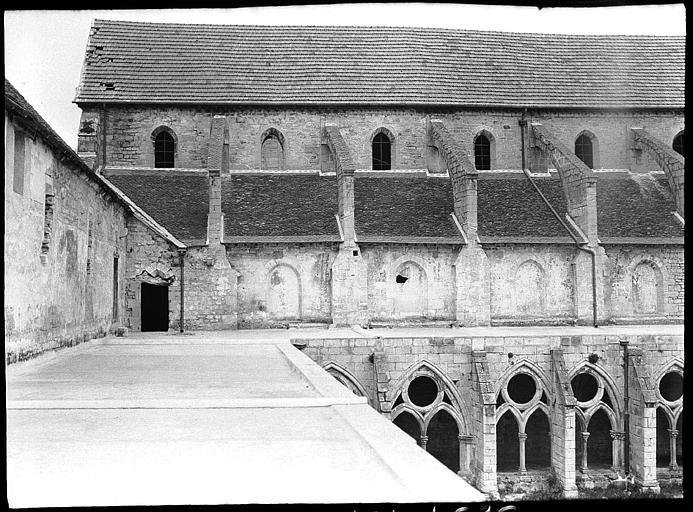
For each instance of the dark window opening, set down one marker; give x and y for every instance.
(398, 401)
(584, 151)
(422, 391)
(446, 399)
(538, 442)
(584, 386)
(355, 253)
(19, 157)
(115, 288)
(443, 441)
(679, 145)
(500, 401)
(154, 308)
(606, 398)
(164, 149)
(382, 153)
(599, 442)
(507, 443)
(482, 153)
(544, 398)
(400, 279)
(408, 423)
(522, 388)
(663, 439)
(671, 386)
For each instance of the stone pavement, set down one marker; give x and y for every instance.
(205, 418)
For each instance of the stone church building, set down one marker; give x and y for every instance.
(237, 177)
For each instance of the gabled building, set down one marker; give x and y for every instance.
(381, 177)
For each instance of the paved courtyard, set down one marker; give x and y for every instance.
(212, 418)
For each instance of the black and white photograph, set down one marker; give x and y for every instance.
(363, 257)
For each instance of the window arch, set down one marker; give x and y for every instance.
(382, 146)
(522, 412)
(272, 150)
(598, 434)
(586, 148)
(427, 405)
(483, 145)
(679, 145)
(647, 288)
(669, 390)
(346, 378)
(164, 147)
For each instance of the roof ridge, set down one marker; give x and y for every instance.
(390, 28)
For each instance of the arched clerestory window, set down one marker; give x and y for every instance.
(584, 149)
(164, 149)
(679, 145)
(382, 151)
(482, 152)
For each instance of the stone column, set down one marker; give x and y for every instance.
(616, 450)
(522, 437)
(673, 433)
(424, 441)
(583, 463)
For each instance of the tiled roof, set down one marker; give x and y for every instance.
(271, 206)
(508, 206)
(182, 63)
(179, 203)
(635, 205)
(403, 207)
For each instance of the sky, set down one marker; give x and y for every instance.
(44, 50)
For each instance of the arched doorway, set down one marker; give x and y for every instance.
(284, 293)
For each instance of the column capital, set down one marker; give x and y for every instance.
(521, 436)
(585, 435)
(465, 438)
(616, 435)
(673, 432)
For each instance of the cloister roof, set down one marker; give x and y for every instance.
(131, 62)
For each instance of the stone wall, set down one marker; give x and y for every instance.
(280, 283)
(150, 258)
(129, 131)
(502, 357)
(624, 280)
(428, 293)
(531, 283)
(62, 234)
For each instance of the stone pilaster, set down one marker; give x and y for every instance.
(349, 270)
(642, 431)
(483, 426)
(472, 276)
(563, 426)
(472, 267)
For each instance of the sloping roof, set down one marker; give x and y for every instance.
(179, 203)
(279, 207)
(631, 205)
(509, 207)
(227, 64)
(391, 209)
